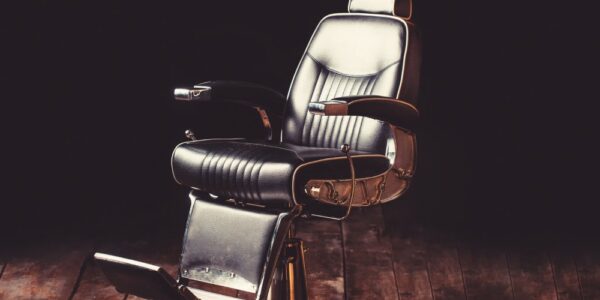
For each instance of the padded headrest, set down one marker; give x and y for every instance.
(399, 8)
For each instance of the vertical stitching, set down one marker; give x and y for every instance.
(314, 130)
(205, 169)
(309, 116)
(335, 132)
(220, 171)
(234, 181)
(327, 130)
(241, 170)
(255, 182)
(227, 167)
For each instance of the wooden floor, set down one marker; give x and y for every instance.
(355, 259)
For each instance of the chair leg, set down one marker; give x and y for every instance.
(295, 270)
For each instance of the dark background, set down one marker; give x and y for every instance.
(88, 123)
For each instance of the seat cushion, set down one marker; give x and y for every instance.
(252, 171)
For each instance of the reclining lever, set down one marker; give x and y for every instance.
(190, 135)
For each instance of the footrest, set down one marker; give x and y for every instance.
(141, 279)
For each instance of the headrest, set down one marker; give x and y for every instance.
(399, 8)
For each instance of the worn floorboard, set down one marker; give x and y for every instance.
(565, 273)
(531, 274)
(444, 267)
(94, 285)
(485, 272)
(356, 259)
(42, 272)
(324, 258)
(368, 256)
(410, 265)
(588, 267)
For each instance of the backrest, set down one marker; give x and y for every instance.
(368, 51)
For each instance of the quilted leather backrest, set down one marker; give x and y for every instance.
(349, 54)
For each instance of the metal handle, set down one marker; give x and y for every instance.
(197, 93)
(346, 149)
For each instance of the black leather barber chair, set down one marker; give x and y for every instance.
(347, 140)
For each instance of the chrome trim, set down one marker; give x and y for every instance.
(390, 150)
(190, 135)
(317, 108)
(197, 93)
(125, 261)
(329, 108)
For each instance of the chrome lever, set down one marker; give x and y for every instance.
(190, 135)
(197, 93)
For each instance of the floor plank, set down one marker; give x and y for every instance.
(588, 267)
(531, 274)
(42, 272)
(369, 269)
(485, 271)
(565, 274)
(324, 258)
(444, 266)
(410, 265)
(94, 285)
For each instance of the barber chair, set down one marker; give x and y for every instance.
(347, 140)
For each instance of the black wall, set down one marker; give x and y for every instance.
(89, 123)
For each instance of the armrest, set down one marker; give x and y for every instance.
(393, 111)
(244, 93)
(266, 101)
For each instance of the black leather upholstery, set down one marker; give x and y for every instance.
(400, 8)
(230, 246)
(253, 171)
(349, 54)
